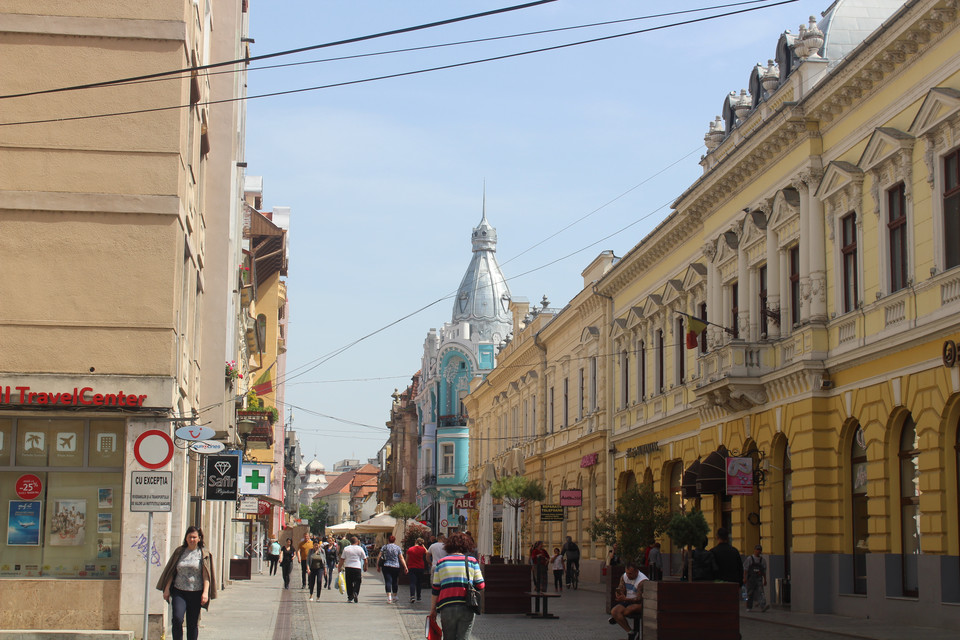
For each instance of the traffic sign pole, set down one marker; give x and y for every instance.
(146, 579)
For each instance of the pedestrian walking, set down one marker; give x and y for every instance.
(316, 568)
(306, 545)
(755, 577)
(729, 563)
(273, 556)
(437, 551)
(450, 575)
(353, 561)
(416, 565)
(188, 583)
(539, 559)
(288, 555)
(330, 550)
(655, 560)
(556, 563)
(390, 562)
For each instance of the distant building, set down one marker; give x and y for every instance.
(312, 480)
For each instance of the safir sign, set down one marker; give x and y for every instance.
(222, 481)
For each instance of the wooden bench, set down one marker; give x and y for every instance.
(537, 597)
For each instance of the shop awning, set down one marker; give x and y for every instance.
(713, 473)
(688, 482)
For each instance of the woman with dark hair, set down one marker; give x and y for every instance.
(288, 555)
(539, 558)
(391, 559)
(449, 594)
(189, 581)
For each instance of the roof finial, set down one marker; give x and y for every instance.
(484, 216)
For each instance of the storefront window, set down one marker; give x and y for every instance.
(858, 466)
(60, 489)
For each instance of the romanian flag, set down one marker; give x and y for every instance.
(694, 327)
(264, 383)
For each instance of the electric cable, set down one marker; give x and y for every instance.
(387, 76)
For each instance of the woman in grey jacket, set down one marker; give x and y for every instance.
(188, 583)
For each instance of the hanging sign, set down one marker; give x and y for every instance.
(571, 497)
(207, 446)
(551, 513)
(222, 480)
(195, 433)
(739, 476)
(255, 479)
(249, 505)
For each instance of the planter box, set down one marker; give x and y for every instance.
(239, 568)
(691, 610)
(505, 588)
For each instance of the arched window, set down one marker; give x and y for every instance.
(858, 469)
(909, 506)
(787, 510)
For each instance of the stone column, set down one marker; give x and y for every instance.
(773, 278)
(713, 294)
(743, 289)
(816, 246)
(805, 238)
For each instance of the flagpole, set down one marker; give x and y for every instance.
(706, 322)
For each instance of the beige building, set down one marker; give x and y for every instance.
(110, 269)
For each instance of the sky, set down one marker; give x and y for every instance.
(574, 151)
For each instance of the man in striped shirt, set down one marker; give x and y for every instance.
(450, 577)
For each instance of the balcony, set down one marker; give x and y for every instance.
(731, 375)
(453, 420)
(255, 429)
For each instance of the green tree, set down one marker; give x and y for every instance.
(517, 492)
(316, 515)
(402, 511)
(641, 516)
(688, 530)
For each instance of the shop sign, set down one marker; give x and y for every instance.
(249, 505)
(28, 486)
(195, 433)
(571, 497)
(263, 507)
(739, 476)
(466, 502)
(650, 447)
(207, 447)
(222, 477)
(151, 491)
(589, 460)
(255, 479)
(551, 513)
(77, 397)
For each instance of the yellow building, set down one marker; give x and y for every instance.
(822, 244)
(541, 413)
(105, 221)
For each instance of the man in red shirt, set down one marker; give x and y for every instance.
(416, 566)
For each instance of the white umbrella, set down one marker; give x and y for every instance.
(380, 523)
(343, 527)
(485, 525)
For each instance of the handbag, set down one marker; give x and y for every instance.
(473, 595)
(341, 583)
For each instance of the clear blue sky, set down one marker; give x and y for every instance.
(386, 179)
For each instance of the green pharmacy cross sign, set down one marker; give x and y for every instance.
(254, 479)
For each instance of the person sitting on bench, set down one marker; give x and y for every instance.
(629, 600)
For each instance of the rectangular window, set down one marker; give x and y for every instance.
(566, 403)
(642, 371)
(848, 250)
(681, 351)
(624, 379)
(795, 285)
(550, 412)
(703, 334)
(897, 236)
(446, 453)
(72, 527)
(661, 383)
(593, 383)
(735, 308)
(581, 397)
(762, 285)
(951, 210)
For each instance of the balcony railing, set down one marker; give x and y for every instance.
(454, 420)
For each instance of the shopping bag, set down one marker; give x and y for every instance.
(432, 630)
(341, 583)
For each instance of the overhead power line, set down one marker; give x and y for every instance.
(278, 54)
(401, 74)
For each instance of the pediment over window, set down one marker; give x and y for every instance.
(634, 316)
(837, 176)
(885, 143)
(940, 104)
(696, 274)
(618, 327)
(589, 334)
(786, 205)
(671, 291)
(652, 305)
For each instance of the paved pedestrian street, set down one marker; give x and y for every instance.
(261, 608)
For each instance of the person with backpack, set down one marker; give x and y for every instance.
(571, 553)
(755, 577)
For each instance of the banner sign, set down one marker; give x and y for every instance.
(739, 476)
(551, 513)
(571, 497)
(222, 479)
(466, 502)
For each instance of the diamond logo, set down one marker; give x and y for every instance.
(222, 466)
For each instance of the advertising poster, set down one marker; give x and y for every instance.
(105, 498)
(739, 476)
(104, 547)
(104, 523)
(69, 523)
(23, 523)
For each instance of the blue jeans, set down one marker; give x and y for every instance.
(185, 603)
(330, 568)
(416, 575)
(391, 579)
(456, 621)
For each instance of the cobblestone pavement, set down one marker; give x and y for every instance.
(261, 609)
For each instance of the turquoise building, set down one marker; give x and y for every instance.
(462, 349)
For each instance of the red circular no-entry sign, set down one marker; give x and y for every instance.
(28, 486)
(153, 449)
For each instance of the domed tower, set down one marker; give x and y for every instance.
(483, 299)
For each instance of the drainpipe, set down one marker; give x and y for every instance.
(608, 388)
